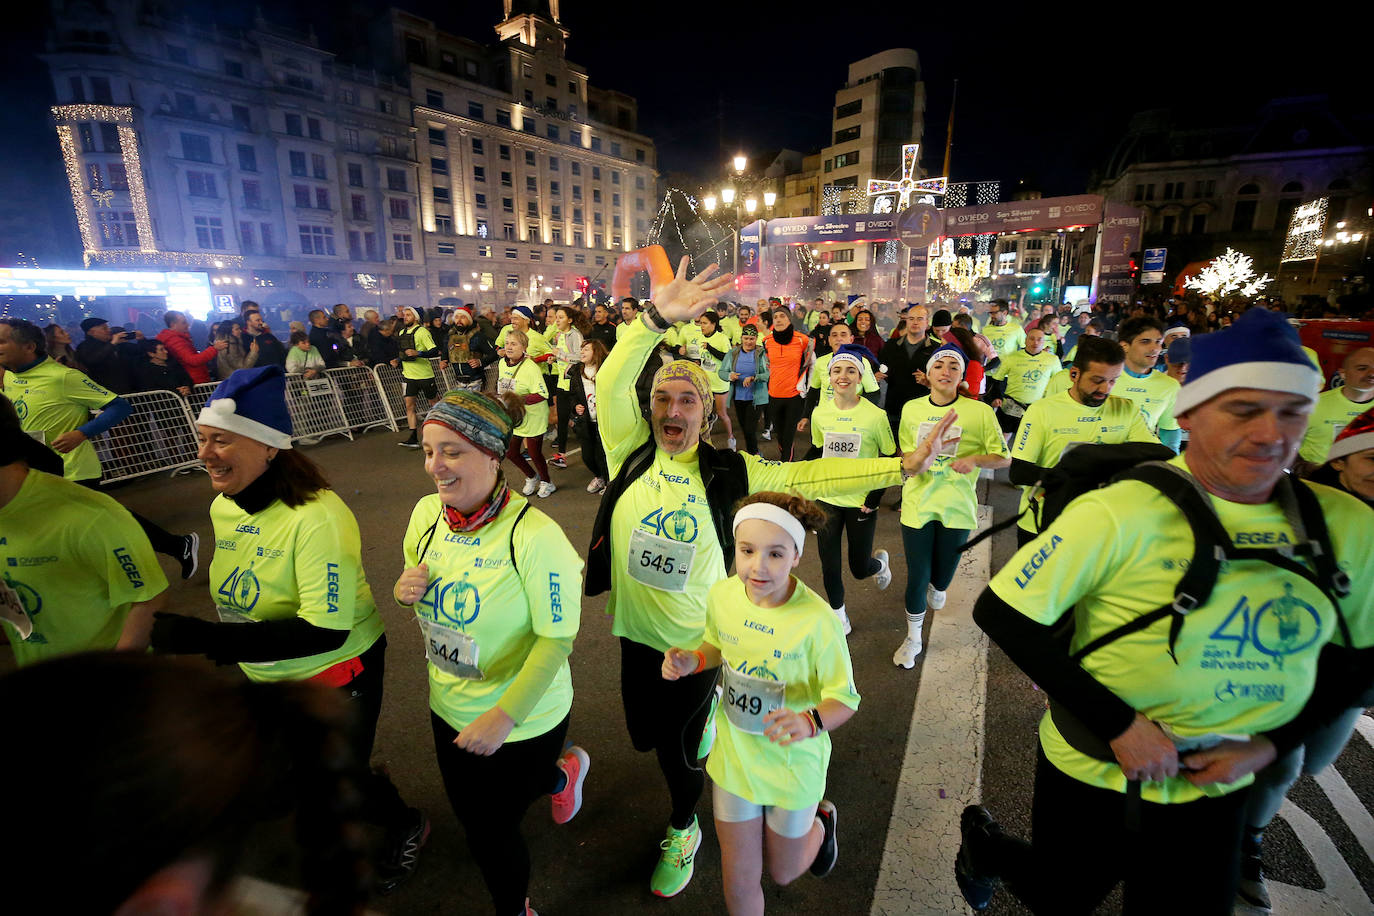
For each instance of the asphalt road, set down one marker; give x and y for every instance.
(600, 863)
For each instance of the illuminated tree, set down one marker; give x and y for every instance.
(1229, 275)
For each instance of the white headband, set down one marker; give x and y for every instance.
(770, 513)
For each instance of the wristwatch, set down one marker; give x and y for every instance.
(655, 319)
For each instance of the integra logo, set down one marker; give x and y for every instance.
(130, 568)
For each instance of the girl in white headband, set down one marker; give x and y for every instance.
(787, 682)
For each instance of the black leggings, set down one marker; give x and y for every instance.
(1183, 858)
(382, 804)
(563, 398)
(667, 717)
(747, 425)
(490, 796)
(859, 527)
(784, 414)
(593, 453)
(932, 556)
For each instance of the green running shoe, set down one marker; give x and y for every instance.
(675, 866)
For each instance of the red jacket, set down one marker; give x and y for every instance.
(178, 343)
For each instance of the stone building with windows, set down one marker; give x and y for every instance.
(298, 180)
(1203, 187)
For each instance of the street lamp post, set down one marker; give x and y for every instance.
(744, 197)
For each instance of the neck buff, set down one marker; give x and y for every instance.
(484, 513)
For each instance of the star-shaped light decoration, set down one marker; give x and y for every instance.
(908, 184)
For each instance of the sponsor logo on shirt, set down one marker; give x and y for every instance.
(1261, 537)
(678, 525)
(487, 562)
(248, 529)
(31, 561)
(226, 544)
(1025, 432)
(761, 627)
(332, 595)
(760, 670)
(465, 539)
(789, 656)
(1282, 626)
(270, 553)
(1228, 691)
(1036, 561)
(555, 599)
(130, 568)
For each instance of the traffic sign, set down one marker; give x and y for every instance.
(1154, 262)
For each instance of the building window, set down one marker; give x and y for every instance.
(615, 200)
(502, 118)
(470, 68)
(297, 160)
(370, 248)
(232, 68)
(596, 144)
(503, 151)
(556, 237)
(596, 173)
(1243, 220)
(477, 147)
(531, 208)
(117, 229)
(294, 125)
(352, 143)
(615, 178)
(576, 168)
(534, 254)
(639, 204)
(438, 165)
(195, 147)
(313, 128)
(248, 158)
(512, 281)
(317, 279)
(508, 231)
(529, 158)
(441, 195)
(358, 207)
(615, 148)
(508, 204)
(482, 230)
(436, 137)
(575, 137)
(506, 181)
(579, 258)
(301, 193)
(849, 109)
(348, 97)
(209, 232)
(639, 155)
(596, 195)
(483, 251)
(554, 188)
(512, 254)
(475, 111)
(479, 201)
(450, 278)
(355, 175)
(527, 125)
(318, 167)
(479, 174)
(401, 246)
(322, 198)
(400, 207)
(577, 192)
(241, 116)
(402, 281)
(847, 134)
(201, 184)
(558, 255)
(553, 163)
(551, 131)
(577, 214)
(531, 184)
(446, 248)
(529, 96)
(846, 159)
(396, 179)
(596, 217)
(246, 237)
(434, 98)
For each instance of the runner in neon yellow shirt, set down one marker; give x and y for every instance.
(1026, 372)
(820, 389)
(497, 595)
(518, 375)
(1086, 413)
(848, 426)
(416, 346)
(288, 583)
(661, 537)
(788, 682)
(1005, 335)
(1338, 406)
(565, 339)
(1155, 732)
(940, 505)
(84, 577)
(629, 311)
(1151, 390)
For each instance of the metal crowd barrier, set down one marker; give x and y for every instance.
(158, 435)
(160, 432)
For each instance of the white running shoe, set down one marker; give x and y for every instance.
(935, 599)
(767, 435)
(730, 444)
(546, 489)
(905, 656)
(883, 577)
(844, 620)
(596, 486)
(531, 484)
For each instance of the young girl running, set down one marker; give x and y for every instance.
(582, 376)
(521, 377)
(940, 505)
(849, 426)
(788, 682)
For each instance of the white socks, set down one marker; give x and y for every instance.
(913, 625)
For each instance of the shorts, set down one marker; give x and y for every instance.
(426, 386)
(729, 808)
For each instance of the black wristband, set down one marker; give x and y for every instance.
(655, 318)
(815, 715)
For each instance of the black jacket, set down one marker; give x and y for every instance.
(331, 345)
(901, 385)
(604, 333)
(271, 351)
(152, 377)
(478, 346)
(381, 349)
(105, 365)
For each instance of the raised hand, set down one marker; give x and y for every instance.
(687, 300)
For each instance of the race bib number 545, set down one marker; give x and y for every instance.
(659, 562)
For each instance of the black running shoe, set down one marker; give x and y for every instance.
(190, 555)
(401, 854)
(830, 841)
(976, 887)
(1253, 890)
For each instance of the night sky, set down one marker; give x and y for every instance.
(1044, 94)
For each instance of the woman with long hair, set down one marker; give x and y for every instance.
(60, 348)
(496, 589)
(565, 337)
(288, 562)
(235, 355)
(866, 331)
(712, 343)
(583, 391)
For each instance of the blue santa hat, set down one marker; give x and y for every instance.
(1260, 350)
(524, 310)
(949, 349)
(252, 403)
(855, 353)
